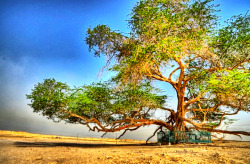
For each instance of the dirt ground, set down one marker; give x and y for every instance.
(21, 147)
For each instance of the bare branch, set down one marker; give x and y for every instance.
(242, 62)
(171, 74)
(160, 77)
(199, 126)
(153, 134)
(168, 109)
(132, 123)
(104, 134)
(194, 100)
(208, 109)
(128, 130)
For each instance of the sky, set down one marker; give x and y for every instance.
(45, 39)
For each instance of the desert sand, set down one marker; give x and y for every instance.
(22, 147)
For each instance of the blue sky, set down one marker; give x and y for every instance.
(45, 39)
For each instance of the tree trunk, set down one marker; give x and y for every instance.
(180, 124)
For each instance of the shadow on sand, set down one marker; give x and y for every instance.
(66, 144)
(105, 145)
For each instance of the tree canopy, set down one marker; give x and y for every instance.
(178, 42)
(112, 109)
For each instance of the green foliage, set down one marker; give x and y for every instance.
(231, 87)
(229, 82)
(179, 42)
(90, 100)
(170, 34)
(98, 100)
(232, 43)
(161, 31)
(105, 40)
(50, 99)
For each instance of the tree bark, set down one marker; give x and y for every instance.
(180, 124)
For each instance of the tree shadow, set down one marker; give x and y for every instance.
(66, 144)
(105, 145)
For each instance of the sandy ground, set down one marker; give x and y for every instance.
(21, 147)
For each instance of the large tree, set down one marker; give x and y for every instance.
(178, 42)
(181, 43)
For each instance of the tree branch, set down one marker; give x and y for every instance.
(167, 109)
(198, 126)
(207, 110)
(132, 123)
(128, 130)
(153, 134)
(193, 100)
(237, 65)
(170, 76)
(162, 78)
(182, 73)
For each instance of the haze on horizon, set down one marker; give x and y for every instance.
(45, 39)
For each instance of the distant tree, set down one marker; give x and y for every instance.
(177, 42)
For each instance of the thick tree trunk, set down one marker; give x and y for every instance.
(180, 124)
